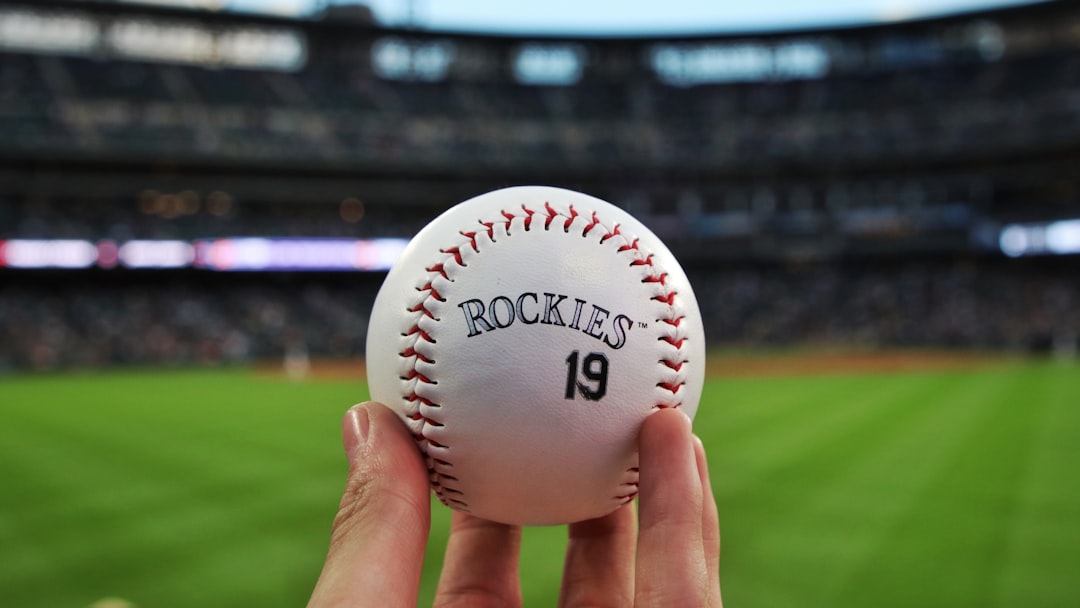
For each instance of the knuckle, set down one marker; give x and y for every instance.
(369, 486)
(360, 492)
(374, 499)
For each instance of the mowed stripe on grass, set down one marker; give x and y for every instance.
(218, 487)
(894, 489)
(167, 489)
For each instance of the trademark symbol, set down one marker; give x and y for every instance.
(642, 324)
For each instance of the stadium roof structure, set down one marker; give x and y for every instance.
(360, 13)
(154, 32)
(337, 17)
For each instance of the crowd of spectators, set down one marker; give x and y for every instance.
(88, 324)
(190, 215)
(214, 319)
(989, 304)
(344, 114)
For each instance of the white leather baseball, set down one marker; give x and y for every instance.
(523, 336)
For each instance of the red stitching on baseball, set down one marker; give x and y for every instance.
(421, 308)
(456, 251)
(510, 218)
(423, 335)
(593, 223)
(434, 293)
(668, 298)
(472, 241)
(670, 386)
(656, 278)
(550, 216)
(415, 375)
(528, 217)
(413, 398)
(570, 220)
(676, 342)
(412, 352)
(439, 269)
(614, 232)
(673, 365)
(633, 483)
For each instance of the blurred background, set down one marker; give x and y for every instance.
(206, 185)
(882, 184)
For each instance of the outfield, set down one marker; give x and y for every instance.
(946, 487)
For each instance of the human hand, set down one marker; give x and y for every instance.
(670, 558)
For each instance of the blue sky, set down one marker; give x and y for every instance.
(628, 16)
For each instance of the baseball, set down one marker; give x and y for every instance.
(523, 336)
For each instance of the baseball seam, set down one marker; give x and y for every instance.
(672, 340)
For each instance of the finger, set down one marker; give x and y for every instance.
(710, 525)
(671, 568)
(380, 532)
(599, 568)
(481, 565)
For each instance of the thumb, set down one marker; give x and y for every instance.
(378, 538)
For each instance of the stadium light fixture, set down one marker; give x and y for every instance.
(49, 253)
(1054, 238)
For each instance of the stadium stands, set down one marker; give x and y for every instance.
(874, 167)
(97, 319)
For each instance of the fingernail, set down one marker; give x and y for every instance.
(354, 430)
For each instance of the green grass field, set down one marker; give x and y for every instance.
(217, 488)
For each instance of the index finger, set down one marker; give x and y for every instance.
(672, 569)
